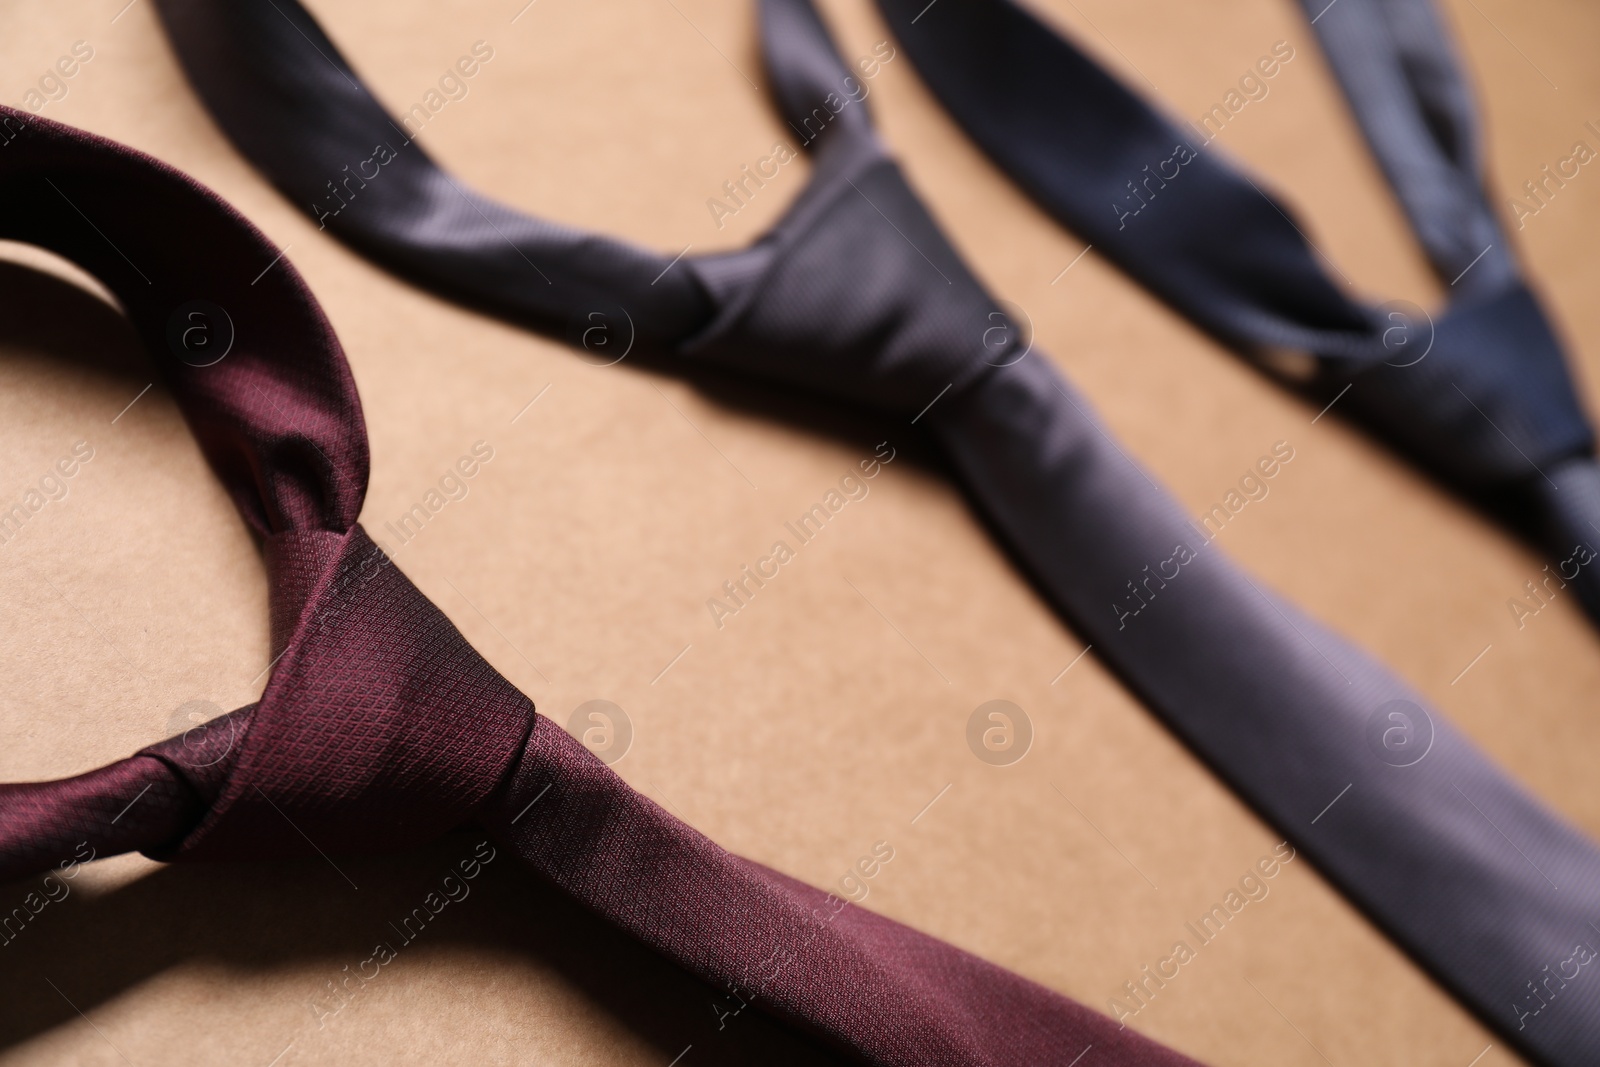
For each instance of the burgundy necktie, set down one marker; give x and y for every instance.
(856, 295)
(380, 727)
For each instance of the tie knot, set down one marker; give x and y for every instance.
(857, 294)
(1483, 397)
(380, 729)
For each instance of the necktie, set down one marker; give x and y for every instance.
(1481, 397)
(380, 727)
(856, 295)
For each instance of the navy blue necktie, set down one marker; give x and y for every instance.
(1479, 396)
(856, 295)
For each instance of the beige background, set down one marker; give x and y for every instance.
(807, 729)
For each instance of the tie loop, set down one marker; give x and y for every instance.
(232, 329)
(399, 729)
(820, 99)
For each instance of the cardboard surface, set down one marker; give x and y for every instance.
(830, 713)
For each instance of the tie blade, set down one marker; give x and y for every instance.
(1404, 82)
(1480, 883)
(878, 990)
(815, 91)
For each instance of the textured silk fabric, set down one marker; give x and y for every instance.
(1451, 858)
(855, 294)
(381, 728)
(1479, 395)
